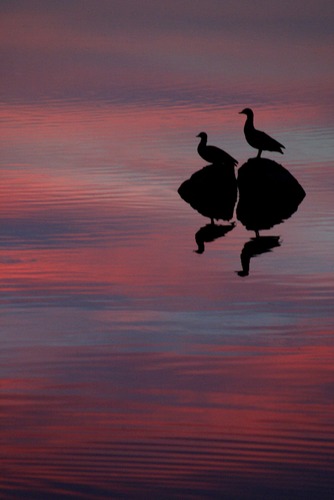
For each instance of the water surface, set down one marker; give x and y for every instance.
(132, 366)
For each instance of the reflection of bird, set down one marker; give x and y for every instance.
(212, 154)
(268, 194)
(254, 247)
(209, 233)
(257, 139)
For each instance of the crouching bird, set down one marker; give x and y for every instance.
(212, 154)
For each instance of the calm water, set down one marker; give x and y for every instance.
(132, 366)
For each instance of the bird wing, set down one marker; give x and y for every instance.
(267, 141)
(222, 155)
(232, 160)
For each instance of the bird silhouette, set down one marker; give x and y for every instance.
(258, 139)
(212, 154)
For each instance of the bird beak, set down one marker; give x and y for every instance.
(241, 113)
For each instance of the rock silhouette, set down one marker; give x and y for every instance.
(268, 194)
(212, 154)
(258, 139)
(254, 247)
(212, 191)
(209, 233)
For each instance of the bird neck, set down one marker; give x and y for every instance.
(249, 122)
(203, 141)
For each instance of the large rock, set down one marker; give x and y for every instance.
(212, 191)
(268, 194)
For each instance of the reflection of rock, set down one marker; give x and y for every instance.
(254, 247)
(212, 191)
(210, 232)
(268, 194)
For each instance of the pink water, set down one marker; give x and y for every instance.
(131, 366)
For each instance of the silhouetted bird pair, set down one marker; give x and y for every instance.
(268, 193)
(255, 138)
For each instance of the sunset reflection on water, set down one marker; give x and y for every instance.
(132, 366)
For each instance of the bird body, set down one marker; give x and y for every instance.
(258, 139)
(212, 154)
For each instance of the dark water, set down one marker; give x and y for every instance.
(132, 366)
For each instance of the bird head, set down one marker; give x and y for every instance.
(202, 135)
(248, 112)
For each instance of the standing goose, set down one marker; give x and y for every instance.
(258, 139)
(212, 154)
